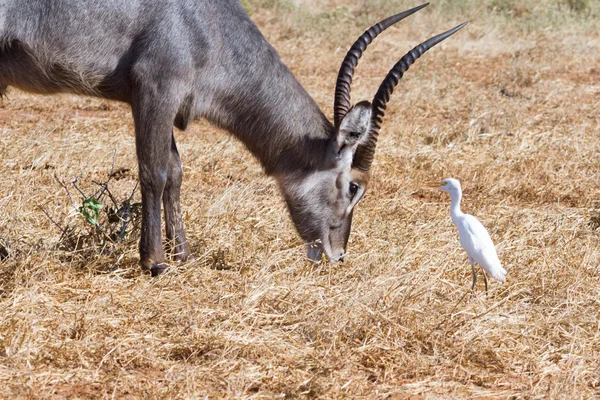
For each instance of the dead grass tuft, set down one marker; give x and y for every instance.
(509, 106)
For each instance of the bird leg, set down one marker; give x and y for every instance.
(485, 279)
(474, 273)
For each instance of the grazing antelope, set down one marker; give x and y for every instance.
(180, 60)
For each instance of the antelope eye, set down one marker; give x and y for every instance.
(353, 188)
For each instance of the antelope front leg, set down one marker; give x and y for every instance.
(153, 130)
(171, 194)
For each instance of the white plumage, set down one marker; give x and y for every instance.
(474, 238)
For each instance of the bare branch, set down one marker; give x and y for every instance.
(64, 231)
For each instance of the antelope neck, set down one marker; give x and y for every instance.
(277, 120)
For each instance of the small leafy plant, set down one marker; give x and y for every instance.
(106, 220)
(91, 210)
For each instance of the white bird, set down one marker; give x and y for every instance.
(474, 238)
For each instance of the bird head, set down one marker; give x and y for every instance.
(450, 185)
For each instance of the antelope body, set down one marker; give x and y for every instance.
(175, 61)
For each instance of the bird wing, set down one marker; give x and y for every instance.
(475, 239)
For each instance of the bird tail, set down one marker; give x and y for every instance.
(498, 273)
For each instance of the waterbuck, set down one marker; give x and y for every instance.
(176, 61)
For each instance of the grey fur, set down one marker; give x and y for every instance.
(175, 61)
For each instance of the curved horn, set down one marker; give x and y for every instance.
(363, 157)
(342, 88)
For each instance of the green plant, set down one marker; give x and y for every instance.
(104, 226)
(90, 209)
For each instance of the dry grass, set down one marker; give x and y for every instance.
(509, 108)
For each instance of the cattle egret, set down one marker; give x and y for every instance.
(474, 238)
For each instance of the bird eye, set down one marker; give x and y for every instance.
(353, 188)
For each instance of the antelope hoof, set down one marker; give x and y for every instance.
(183, 257)
(158, 269)
(154, 267)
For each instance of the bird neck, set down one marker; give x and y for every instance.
(455, 211)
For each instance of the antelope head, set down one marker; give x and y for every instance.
(321, 201)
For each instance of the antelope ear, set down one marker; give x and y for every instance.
(353, 129)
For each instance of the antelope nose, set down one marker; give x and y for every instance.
(341, 259)
(313, 252)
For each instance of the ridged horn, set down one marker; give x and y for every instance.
(363, 158)
(341, 103)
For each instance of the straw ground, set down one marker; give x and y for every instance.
(509, 106)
